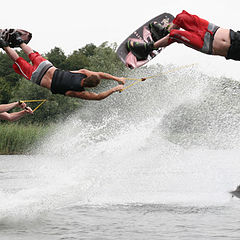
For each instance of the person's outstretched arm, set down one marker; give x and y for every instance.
(9, 106)
(94, 96)
(103, 75)
(16, 115)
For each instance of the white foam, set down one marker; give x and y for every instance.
(126, 149)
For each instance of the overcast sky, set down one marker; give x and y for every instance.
(71, 24)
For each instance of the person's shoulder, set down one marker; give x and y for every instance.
(85, 71)
(89, 73)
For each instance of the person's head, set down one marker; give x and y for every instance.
(91, 81)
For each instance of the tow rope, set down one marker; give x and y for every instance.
(138, 80)
(42, 101)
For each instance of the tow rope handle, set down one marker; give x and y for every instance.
(137, 80)
(39, 105)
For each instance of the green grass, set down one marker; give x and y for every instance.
(18, 139)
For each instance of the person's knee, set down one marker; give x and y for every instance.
(179, 19)
(175, 35)
(33, 55)
(182, 19)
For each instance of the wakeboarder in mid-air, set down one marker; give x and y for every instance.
(43, 73)
(197, 33)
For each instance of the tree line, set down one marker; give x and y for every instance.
(14, 87)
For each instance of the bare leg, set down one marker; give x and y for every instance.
(173, 26)
(164, 42)
(27, 50)
(11, 53)
(20, 66)
(142, 50)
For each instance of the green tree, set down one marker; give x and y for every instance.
(77, 60)
(80, 58)
(105, 59)
(57, 57)
(8, 78)
(88, 50)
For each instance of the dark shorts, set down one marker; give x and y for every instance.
(234, 49)
(64, 81)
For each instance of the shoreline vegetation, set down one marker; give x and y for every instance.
(19, 139)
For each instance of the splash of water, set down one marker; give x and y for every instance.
(171, 139)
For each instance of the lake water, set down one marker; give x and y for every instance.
(156, 162)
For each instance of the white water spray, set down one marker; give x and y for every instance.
(173, 139)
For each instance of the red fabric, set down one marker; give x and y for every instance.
(24, 68)
(195, 29)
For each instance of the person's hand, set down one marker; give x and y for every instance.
(28, 110)
(22, 105)
(121, 80)
(118, 88)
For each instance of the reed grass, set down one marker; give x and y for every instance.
(18, 139)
